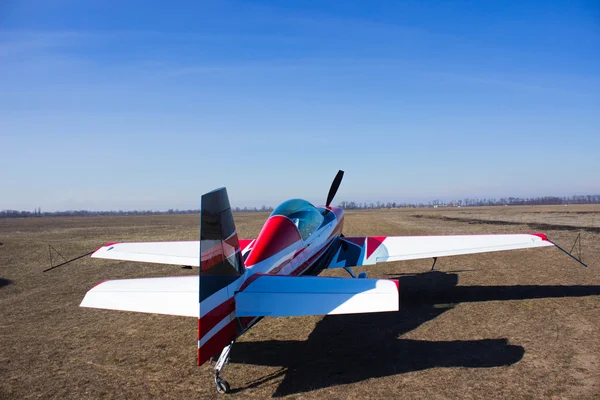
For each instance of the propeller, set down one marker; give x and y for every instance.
(335, 185)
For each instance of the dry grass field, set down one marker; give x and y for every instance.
(520, 325)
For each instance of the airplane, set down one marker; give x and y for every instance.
(241, 281)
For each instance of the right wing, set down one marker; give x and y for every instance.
(369, 250)
(174, 253)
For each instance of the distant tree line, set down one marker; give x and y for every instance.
(348, 205)
(85, 213)
(505, 201)
(253, 209)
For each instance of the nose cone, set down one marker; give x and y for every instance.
(277, 234)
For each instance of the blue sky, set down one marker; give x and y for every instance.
(147, 105)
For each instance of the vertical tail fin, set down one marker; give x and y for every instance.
(221, 264)
(219, 245)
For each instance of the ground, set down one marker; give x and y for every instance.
(517, 324)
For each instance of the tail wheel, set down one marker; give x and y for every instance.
(222, 385)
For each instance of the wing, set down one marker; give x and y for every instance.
(175, 253)
(172, 296)
(287, 296)
(368, 250)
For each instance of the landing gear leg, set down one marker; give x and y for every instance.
(222, 385)
(362, 275)
(433, 266)
(348, 270)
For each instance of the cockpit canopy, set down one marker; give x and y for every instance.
(303, 214)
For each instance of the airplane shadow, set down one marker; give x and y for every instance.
(352, 348)
(4, 282)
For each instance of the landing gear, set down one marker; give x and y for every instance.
(433, 266)
(348, 270)
(362, 275)
(222, 385)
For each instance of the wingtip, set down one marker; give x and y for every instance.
(542, 236)
(98, 284)
(105, 245)
(84, 301)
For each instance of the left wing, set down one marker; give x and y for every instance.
(175, 253)
(369, 250)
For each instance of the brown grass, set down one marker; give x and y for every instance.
(519, 324)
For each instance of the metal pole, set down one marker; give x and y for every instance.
(66, 262)
(569, 254)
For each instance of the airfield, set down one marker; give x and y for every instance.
(519, 324)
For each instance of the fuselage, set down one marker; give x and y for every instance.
(288, 245)
(284, 248)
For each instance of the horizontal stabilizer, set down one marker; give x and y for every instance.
(172, 295)
(368, 250)
(286, 296)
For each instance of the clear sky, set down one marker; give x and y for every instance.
(147, 105)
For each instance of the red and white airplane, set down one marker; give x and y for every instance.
(241, 281)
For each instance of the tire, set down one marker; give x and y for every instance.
(222, 386)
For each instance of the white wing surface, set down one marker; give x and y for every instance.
(172, 295)
(368, 250)
(266, 295)
(176, 253)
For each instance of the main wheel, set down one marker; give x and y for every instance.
(222, 385)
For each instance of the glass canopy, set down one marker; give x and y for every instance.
(303, 214)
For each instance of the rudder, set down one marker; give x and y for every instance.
(221, 264)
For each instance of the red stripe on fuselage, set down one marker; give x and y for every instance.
(278, 233)
(308, 263)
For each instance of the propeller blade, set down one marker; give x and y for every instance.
(334, 187)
